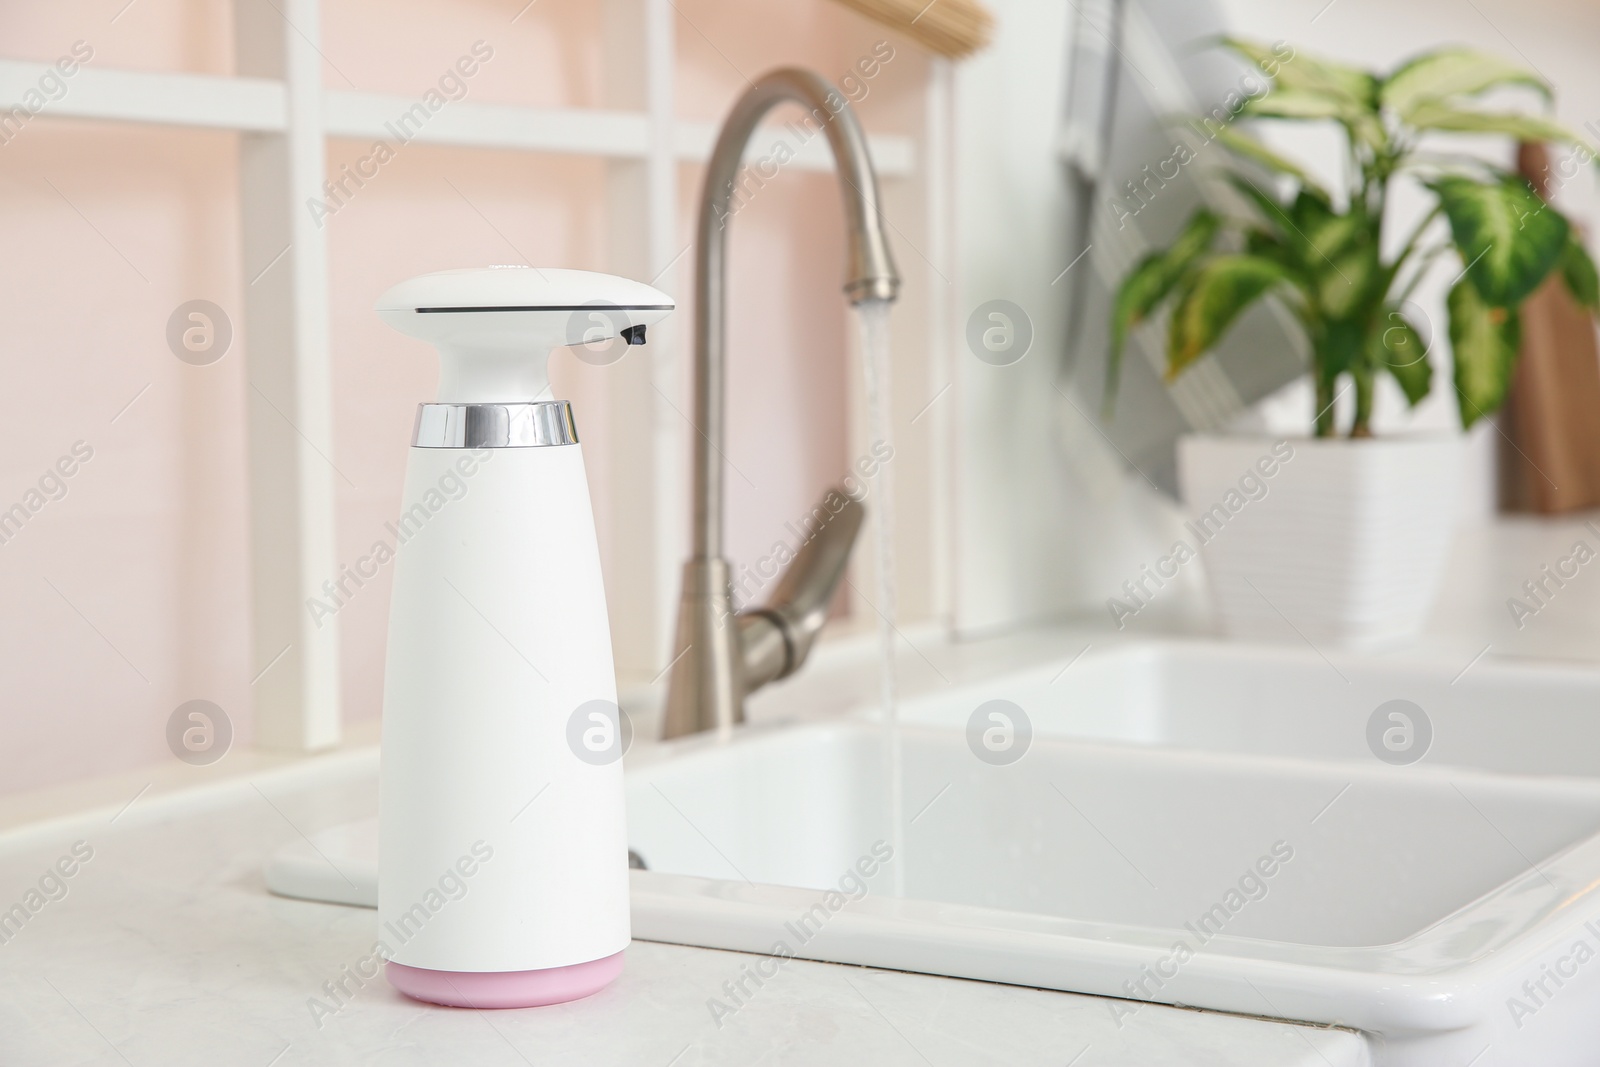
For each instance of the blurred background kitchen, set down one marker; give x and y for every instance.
(218, 482)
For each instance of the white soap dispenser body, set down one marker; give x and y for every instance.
(503, 877)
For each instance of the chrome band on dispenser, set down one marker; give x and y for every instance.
(531, 425)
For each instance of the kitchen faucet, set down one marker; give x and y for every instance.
(720, 657)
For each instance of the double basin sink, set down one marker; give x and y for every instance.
(1246, 830)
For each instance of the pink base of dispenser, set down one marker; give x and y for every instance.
(505, 989)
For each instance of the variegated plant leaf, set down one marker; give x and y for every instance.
(1398, 348)
(1445, 117)
(1484, 340)
(1577, 269)
(1149, 283)
(1508, 238)
(1452, 72)
(1212, 297)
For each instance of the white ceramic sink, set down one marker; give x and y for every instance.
(1177, 793)
(1281, 701)
(1162, 781)
(1101, 835)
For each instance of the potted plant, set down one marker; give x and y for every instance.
(1345, 541)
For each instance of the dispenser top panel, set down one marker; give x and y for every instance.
(519, 288)
(496, 326)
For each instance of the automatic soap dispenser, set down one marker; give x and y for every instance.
(503, 849)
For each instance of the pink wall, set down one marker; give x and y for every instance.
(129, 595)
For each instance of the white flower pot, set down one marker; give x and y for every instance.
(1334, 542)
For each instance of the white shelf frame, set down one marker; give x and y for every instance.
(260, 105)
(279, 105)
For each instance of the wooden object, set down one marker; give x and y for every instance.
(953, 28)
(1550, 456)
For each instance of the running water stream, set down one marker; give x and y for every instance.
(872, 318)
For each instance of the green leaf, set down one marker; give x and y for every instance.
(1398, 348)
(1339, 254)
(1149, 283)
(1306, 105)
(1309, 87)
(1310, 211)
(1324, 252)
(1274, 214)
(1254, 150)
(1577, 269)
(1438, 115)
(1343, 282)
(1211, 299)
(1484, 340)
(1327, 235)
(1297, 70)
(1267, 245)
(1338, 345)
(1297, 104)
(1506, 235)
(1452, 72)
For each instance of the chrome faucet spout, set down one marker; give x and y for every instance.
(718, 661)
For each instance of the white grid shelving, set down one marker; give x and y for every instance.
(278, 102)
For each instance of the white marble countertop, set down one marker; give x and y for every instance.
(167, 949)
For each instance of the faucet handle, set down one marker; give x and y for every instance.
(774, 640)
